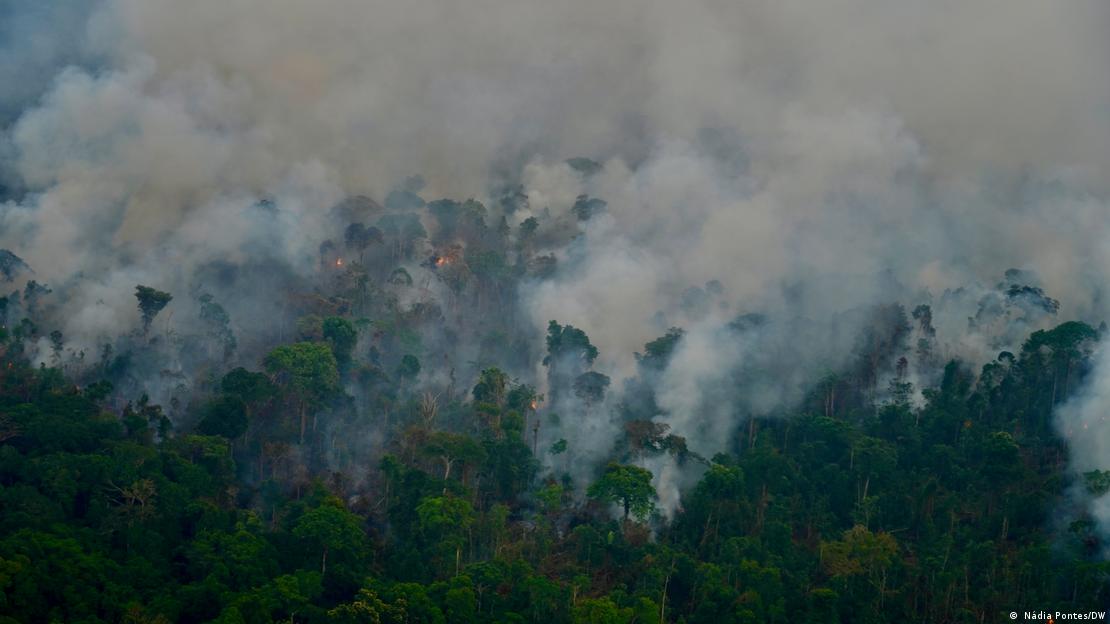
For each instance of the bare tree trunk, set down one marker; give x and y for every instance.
(663, 599)
(535, 434)
(304, 421)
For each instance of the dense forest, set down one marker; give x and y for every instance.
(340, 475)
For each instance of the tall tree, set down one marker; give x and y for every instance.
(332, 528)
(451, 448)
(627, 486)
(569, 354)
(308, 372)
(341, 336)
(151, 302)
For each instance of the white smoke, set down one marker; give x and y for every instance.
(812, 157)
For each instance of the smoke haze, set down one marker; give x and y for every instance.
(797, 160)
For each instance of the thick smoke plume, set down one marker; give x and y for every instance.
(797, 162)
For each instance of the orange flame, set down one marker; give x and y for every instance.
(440, 261)
(339, 262)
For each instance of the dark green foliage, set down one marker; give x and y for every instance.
(11, 265)
(151, 302)
(342, 336)
(401, 230)
(888, 511)
(400, 277)
(446, 213)
(305, 368)
(409, 367)
(492, 387)
(568, 341)
(627, 486)
(307, 374)
(658, 352)
(332, 529)
(585, 166)
(358, 237)
(528, 228)
(590, 386)
(224, 416)
(586, 207)
(249, 386)
(219, 325)
(33, 293)
(488, 265)
(569, 354)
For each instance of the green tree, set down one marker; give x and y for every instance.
(253, 388)
(224, 416)
(408, 368)
(451, 448)
(590, 387)
(568, 341)
(308, 373)
(444, 521)
(341, 336)
(218, 322)
(366, 608)
(569, 354)
(528, 229)
(492, 386)
(151, 302)
(460, 601)
(332, 528)
(627, 486)
(861, 553)
(601, 611)
(359, 238)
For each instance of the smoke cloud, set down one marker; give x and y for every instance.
(796, 160)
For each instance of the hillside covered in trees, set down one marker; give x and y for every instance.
(343, 475)
(568, 312)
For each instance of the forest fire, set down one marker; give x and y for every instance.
(815, 320)
(449, 255)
